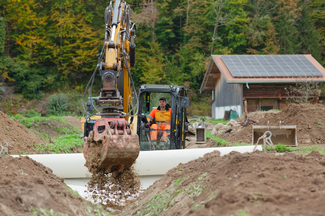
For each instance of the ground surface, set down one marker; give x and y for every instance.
(238, 184)
(19, 138)
(310, 121)
(27, 187)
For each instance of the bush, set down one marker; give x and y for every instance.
(58, 104)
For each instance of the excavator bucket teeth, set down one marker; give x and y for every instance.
(111, 146)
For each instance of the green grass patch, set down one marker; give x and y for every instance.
(212, 120)
(178, 182)
(208, 135)
(73, 191)
(279, 148)
(306, 149)
(63, 144)
(240, 144)
(157, 204)
(29, 121)
(319, 123)
(219, 141)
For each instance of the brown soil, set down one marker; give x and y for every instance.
(258, 115)
(238, 184)
(75, 121)
(26, 184)
(114, 189)
(310, 121)
(19, 138)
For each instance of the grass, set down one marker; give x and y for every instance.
(73, 191)
(29, 121)
(63, 144)
(279, 148)
(91, 210)
(306, 149)
(157, 204)
(165, 200)
(240, 144)
(219, 141)
(212, 120)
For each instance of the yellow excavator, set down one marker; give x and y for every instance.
(118, 145)
(112, 141)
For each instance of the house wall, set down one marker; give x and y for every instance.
(227, 96)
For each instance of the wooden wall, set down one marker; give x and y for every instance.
(265, 96)
(227, 94)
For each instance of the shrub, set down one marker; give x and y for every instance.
(58, 104)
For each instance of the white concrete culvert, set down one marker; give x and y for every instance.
(150, 165)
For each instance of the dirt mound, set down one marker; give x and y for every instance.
(310, 121)
(258, 115)
(75, 121)
(238, 184)
(19, 138)
(27, 186)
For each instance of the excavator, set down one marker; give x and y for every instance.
(113, 138)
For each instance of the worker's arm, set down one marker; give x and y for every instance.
(151, 116)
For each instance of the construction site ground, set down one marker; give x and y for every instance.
(256, 183)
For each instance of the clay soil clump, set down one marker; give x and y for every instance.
(309, 118)
(18, 137)
(238, 184)
(27, 186)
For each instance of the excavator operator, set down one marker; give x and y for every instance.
(160, 121)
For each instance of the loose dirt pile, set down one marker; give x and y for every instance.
(238, 184)
(112, 190)
(258, 115)
(19, 138)
(27, 186)
(310, 121)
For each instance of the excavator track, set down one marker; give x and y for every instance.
(111, 146)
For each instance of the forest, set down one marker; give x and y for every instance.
(50, 45)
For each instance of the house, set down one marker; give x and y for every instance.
(256, 82)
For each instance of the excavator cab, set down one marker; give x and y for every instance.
(161, 135)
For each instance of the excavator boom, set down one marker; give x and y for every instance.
(111, 145)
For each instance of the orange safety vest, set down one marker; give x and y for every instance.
(163, 124)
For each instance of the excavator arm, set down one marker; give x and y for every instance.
(111, 145)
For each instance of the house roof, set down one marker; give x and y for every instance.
(217, 68)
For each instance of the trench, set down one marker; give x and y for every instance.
(150, 165)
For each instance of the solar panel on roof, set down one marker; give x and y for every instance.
(270, 66)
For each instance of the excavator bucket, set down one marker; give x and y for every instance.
(111, 146)
(284, 135)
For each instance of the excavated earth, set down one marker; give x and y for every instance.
(113, 190)
(238, 184)
(27, 187)
(310, 121)
(19, 138)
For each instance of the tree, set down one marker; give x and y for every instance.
(308, 36)
(288, 36)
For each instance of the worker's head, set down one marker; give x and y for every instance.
(162, 102)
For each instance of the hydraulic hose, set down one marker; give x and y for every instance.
(134, 91)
